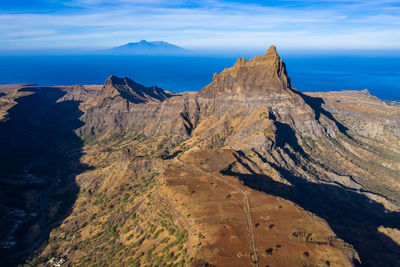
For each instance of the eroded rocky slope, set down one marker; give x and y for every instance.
(248, 171)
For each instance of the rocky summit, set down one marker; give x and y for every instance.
(131, 91)
(259, 77)
(246, 172)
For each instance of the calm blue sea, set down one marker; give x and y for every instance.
(379, 74)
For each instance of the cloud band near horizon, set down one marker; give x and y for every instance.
(209, 24)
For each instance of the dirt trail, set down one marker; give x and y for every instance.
(254, 258)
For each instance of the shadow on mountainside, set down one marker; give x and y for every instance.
(39, 160)
(316, 103)
(352, 216)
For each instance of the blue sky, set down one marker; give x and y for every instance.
(197, 25)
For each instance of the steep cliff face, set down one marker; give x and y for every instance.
(259, 77)
(249, 102)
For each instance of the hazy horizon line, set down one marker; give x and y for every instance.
(202, 52)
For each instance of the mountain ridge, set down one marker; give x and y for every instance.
(131, 90)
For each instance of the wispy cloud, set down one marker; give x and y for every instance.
(206, 24)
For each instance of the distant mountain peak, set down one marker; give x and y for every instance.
(144, 47)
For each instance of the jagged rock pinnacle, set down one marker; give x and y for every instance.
(272, 50)
(256, 77)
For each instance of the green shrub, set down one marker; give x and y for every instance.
(125, 197)
(126, 230)
(164, 240)
(139, 242)
(157, 233)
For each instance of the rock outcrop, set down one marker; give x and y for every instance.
(258, 77)
(131, 91)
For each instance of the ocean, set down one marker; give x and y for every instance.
(379, 74)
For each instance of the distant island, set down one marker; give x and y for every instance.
(148, 48)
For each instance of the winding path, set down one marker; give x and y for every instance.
(254, 258)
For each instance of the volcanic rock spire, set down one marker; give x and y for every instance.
(259, 76)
